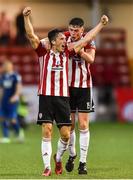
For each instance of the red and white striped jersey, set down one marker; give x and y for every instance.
(79, 73)
(53, 72)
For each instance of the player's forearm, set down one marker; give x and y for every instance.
(17, 93)
(18, 90)
(88, 37)
(91, 34)
(28, 27)
(34, 40)
(87, 57)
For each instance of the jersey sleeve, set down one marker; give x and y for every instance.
(91, 45)
(18, 78)
(41, 50)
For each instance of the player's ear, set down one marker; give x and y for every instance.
(82, 29)
(53, 42)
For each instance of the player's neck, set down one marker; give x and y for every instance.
(9, 72)
(54, 49)
(74, 40)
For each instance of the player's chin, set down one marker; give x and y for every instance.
(62, 48)
(75, 38)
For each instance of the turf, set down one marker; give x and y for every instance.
(110, 154)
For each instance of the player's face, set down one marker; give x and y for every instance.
(75, 32)
(7, 67)
(60, 42)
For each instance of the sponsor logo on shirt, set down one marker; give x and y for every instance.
(7, 83)
(57, 67)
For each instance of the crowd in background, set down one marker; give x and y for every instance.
(12, 32)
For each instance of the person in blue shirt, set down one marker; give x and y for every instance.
(10, 84)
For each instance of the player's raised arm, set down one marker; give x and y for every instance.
(34, 40)
(91, 34)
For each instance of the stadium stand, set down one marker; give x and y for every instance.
(25, 62)
(111, 65)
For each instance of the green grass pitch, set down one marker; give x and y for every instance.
(110, 154)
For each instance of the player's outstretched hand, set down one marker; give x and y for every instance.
(104, 20)
(14, 98)
(27, 11)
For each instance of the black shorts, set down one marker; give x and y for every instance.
(81, 100)
(54, 108)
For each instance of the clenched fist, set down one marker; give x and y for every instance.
(104, 20)
(27, 11)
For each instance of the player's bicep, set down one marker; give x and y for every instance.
(18, 88)
(34, 40)
(91, 52)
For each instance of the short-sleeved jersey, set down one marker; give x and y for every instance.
(53, 72)
(79, 73)
(8, 82)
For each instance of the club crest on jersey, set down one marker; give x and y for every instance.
(40, 115)
(58, 66)
(7, 83)
(88, 105)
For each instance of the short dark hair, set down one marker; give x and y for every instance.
(53, 34)
(76, 22)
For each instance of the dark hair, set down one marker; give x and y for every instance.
(76, 22)
(53, 34)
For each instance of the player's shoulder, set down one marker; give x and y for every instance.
(15, 73)
(44, 41)
(17, 76)
(41, 44)
(91, 43)
(41, 50)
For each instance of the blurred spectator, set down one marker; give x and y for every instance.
(4, 29)
(21, 38)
